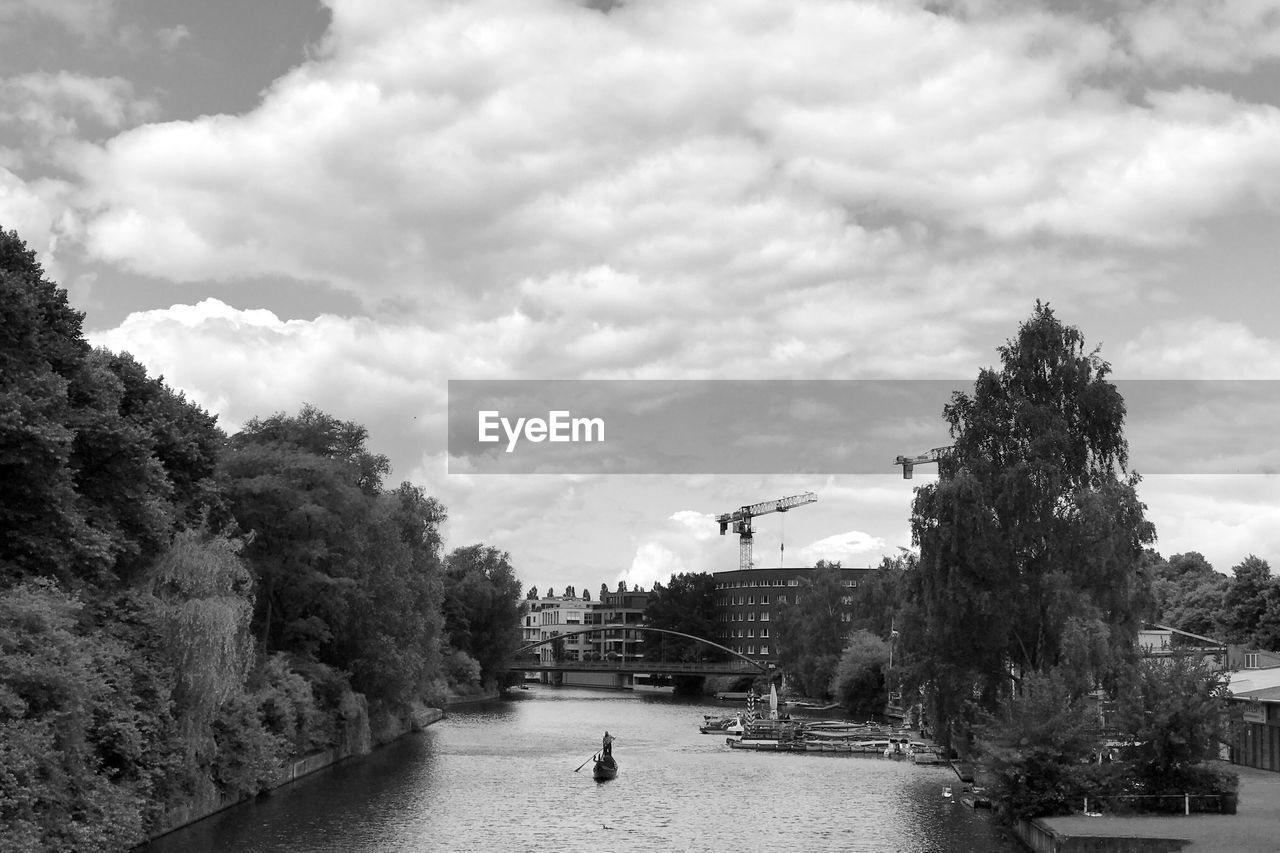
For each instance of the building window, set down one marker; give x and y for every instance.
(764, 650)
(751, 617)
(764, 632)
(751, 632)
(764, 617)
(1251, 660)
(751, 650)
(764, 599)
(782, 599)
(751, 599)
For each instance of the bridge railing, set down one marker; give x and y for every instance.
(727, 667)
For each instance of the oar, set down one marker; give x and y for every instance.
(585, 763)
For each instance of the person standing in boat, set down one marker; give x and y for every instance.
(607, 751)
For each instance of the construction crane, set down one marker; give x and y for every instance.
(909, 462)
(741, 521)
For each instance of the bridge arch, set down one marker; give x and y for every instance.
(602, 628)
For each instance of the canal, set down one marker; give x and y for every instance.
(499, 776)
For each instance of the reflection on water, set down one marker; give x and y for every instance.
(500, 776)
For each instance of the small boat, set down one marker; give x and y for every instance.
(606, 768)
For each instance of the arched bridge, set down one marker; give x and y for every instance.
(741, 663)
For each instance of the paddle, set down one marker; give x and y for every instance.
(585, 763)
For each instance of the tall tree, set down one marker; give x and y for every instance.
(687, 605)
(1188, 593)
(1245, 601)
(1033, 532)
(483, 608)
(811, 629)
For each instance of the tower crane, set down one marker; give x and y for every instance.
(909, 462)
(741, 521)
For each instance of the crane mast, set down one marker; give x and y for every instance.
(740, 520)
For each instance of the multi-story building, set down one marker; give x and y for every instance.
(748, 601)
(619, 614)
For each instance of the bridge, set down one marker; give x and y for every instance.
(741, 665)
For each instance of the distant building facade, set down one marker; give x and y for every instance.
(748, 602)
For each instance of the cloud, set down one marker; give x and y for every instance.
(1217, 35)
(702, 526)
(1201, 348)
(81, 17)
(514, 149)
(842, 547)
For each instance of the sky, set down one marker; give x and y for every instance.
(352, 203)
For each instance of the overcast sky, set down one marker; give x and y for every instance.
(351, 203)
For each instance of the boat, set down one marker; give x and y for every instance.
(606, 768)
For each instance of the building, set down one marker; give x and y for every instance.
(1255, 739)
(619, 614)
(748, 602)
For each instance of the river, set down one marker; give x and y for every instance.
(499, 776)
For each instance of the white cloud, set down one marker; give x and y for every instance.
(842, 547)
(732, 145)
(82, 17)
(1218, 35)
(1201, 348)
(702, 526)
(652, 563)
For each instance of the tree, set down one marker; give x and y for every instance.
(1174, 710)
(1033, 532)
(532, 594)
(1245, 601)
(1188, 593)
(859, 680)
(1035, 747)
(570, 592)
(686, 605)
(810, 630)
(482, 607)
(205, 602)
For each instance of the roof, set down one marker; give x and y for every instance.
(1261, 684)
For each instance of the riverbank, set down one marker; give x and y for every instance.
(390, 730)
(1254, 827)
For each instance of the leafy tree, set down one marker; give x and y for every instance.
(687, 605)
(86, 742)
(1244, 603)
(810, 630)
(859, 680)
(482, 607)
(1033, 532)
(1175, 711)
(304, 488)
(1035, 748)
(205, 601)
(1188, 593)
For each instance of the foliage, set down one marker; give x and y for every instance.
(98, 463)
(1188, 593)
(1250, 612)
(686, 605)
(482, 608)
(204, 601)
(1032, 534)
(1036, 746)
(1174, 711)
(859, 680)
(810, 630)
(87, 746)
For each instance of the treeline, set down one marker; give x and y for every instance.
(182, 612)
